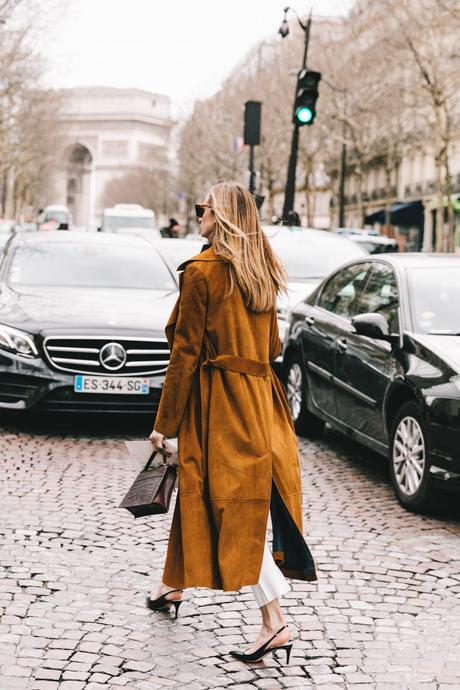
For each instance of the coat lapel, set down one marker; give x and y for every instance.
(206, 254)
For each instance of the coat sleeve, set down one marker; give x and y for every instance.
(186, 350)
(275, 342)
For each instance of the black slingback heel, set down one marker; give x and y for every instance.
(163, 603)
(263, 651)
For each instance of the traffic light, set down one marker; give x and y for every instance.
(252, 114)
(306, 97)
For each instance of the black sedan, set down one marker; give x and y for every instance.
(82, 320)
(375, 352)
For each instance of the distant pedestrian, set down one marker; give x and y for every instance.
(170, 230)
(238, 457)
(293, 219)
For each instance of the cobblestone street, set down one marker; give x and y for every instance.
(384, 614)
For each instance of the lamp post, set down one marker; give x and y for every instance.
(289, 194)
(343, 167)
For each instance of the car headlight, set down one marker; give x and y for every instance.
(16, 341)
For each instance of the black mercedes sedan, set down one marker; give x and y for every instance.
(82, 319)
(375, 352)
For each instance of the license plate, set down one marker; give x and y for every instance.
(113, 385)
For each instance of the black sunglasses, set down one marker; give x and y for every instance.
(200, 209)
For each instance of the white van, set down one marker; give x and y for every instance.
(127, 216)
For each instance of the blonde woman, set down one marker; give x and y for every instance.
(238, 456)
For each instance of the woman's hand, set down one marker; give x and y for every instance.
(157, 439)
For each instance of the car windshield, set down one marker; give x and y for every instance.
(308, 255)
(434, 292)
(58, 264)
(116, 222)
(58, 216)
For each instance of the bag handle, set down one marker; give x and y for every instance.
(152, 457)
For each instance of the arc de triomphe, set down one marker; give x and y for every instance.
(106, 133)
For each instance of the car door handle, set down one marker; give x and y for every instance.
(342, 344)
(310, 320)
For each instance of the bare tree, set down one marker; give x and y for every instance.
(7, 7)
(390, 81)
(29, 116)
(149, 188)
(424, 38)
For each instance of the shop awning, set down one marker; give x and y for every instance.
(410, 214)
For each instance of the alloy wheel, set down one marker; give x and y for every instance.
(294, 389)
(409, 455)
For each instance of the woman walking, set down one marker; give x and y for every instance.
(238, 456)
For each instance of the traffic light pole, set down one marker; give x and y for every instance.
(252, 127)
(289, 194)
(343, 166)
(252, 172)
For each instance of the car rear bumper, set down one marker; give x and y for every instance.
(33, 385)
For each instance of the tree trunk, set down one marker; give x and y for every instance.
(388, 194)
(451, 242)
(359, 195)
(4, 192)
(270, 194)
(439, 207)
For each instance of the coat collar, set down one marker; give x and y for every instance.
(206, 255)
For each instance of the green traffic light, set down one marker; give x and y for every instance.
(304, 115)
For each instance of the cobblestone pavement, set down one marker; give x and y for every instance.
(385, 613)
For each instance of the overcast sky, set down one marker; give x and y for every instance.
(182, 48)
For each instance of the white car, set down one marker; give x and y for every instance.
(54, 217)
(7, 226)
(152, 235)
(308, 256)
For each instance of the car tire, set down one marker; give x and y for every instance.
(305, 423)
(409, 457)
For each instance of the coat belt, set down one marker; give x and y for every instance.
(241, 365)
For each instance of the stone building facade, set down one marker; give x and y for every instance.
(410, 195)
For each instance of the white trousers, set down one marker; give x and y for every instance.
(272, 583)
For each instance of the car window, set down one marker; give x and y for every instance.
(339, 293)
(380, 295)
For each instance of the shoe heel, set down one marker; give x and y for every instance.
(288, 649)
(176, 605)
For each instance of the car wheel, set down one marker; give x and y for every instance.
(410, 458)
(305, 423)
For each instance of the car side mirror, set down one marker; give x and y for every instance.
(372, 326)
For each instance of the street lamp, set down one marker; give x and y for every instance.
(290, 182)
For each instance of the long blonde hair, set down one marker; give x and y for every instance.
(239, 239)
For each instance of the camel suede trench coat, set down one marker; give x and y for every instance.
(238, 455)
